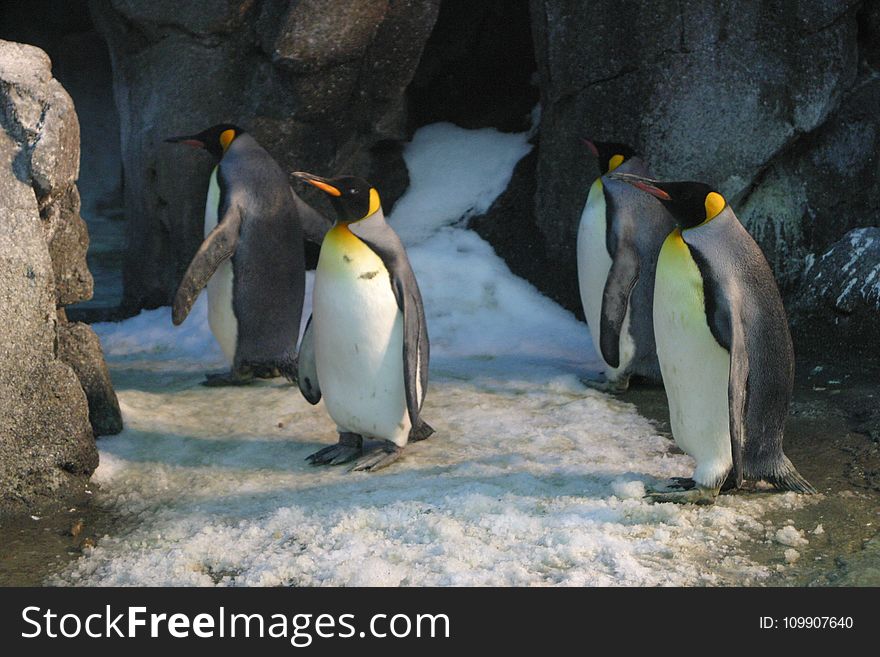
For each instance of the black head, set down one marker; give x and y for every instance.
(690, 203)
(353, 198)
(609, 155)
(215, 139)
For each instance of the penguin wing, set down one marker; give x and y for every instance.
(314, 224)
(415, 338)
(737, 393)
(622, 277)
(307, 376)
(725, 322)
(219, 245)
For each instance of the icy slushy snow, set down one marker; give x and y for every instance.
(531, 479)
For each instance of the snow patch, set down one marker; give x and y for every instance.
(454, 174)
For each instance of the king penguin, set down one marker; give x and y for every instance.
(251, 259)
(724, 347)
(619, 237)
(365, 348)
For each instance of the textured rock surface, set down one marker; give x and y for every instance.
(46, 441)
(774, 103)
(79, 347)
(842, 286)
(319, 83)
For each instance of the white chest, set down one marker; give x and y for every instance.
(594, 263)
(359, 340)
(695, 367)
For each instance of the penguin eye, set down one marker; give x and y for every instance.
(353, 190)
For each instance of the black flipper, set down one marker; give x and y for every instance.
(314, 224)
(415, 341)
(219, 245)
(737, 396)
(307, 375)
(622, 277)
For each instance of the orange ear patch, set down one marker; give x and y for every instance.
(226, 138)
(714, 203)
(375, 203)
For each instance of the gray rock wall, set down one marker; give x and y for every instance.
(46, 440)
(318, 82)
(774, 102)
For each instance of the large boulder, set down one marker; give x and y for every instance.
(841, 291)
(765, 100)
(46, 440)
(320, 83)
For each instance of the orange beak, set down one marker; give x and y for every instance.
(642, 183)
(317, 181)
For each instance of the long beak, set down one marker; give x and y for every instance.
(645, 184)
(321, 183)
(189, 141)
(589, 144)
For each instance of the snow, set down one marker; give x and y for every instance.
(454, 174)
(790, 535)
(530, 479)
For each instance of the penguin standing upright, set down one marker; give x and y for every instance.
(724, 346)
(619, 237)
(365, 348)
(252, 258)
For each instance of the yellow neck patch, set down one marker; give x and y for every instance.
(226, 138)
(714, 203)
(614, 162)
(375, 203)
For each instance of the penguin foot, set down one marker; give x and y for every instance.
(231, 378)
(350, 446)
(681, 483)
(382, 456)
(611, 387)
(267, 372)
(683, 490)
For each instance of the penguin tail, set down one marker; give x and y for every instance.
(420, 431)
(786, 477)
(289, 370)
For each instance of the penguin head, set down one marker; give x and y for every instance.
(215, 139)
(353, 198)
(610, 155)
(690, 203)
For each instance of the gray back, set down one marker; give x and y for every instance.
(268, 264)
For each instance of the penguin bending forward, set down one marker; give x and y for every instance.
(619, 237)
(724, 347)
(365, 348)
(252, 258)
